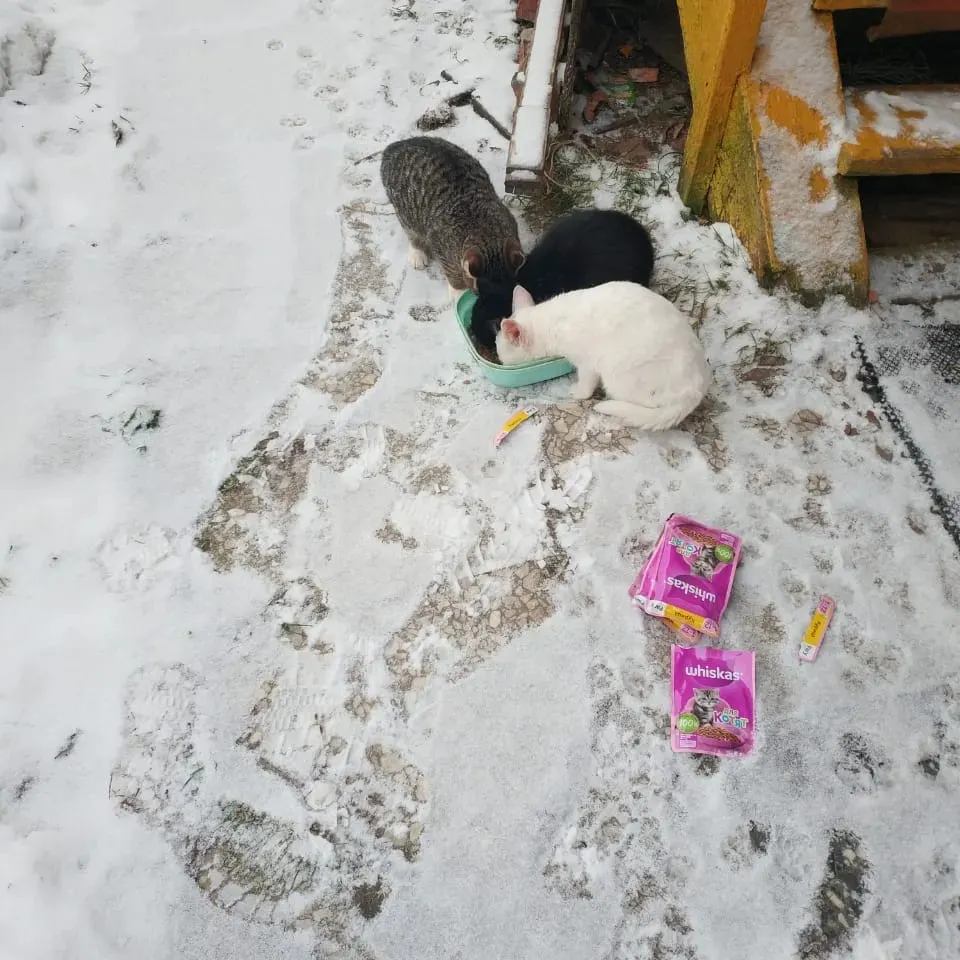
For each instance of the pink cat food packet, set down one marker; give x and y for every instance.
(688, 578)
(713, 708)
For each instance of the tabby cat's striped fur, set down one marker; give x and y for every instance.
(449, 209)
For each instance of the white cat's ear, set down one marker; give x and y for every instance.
(511, 330)
(521, 299)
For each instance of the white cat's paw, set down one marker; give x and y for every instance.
(417, 258)
(584, 388)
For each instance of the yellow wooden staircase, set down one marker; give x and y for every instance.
(776, 144)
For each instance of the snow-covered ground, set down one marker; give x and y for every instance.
(294, 663)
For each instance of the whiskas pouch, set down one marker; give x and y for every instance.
(688, 578)
(713, 707)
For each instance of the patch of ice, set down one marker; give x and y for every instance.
(16, 183)
(25, 46)
(438, 522)
(132, 559)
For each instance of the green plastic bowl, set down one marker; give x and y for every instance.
(514, 375)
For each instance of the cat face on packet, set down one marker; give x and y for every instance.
(704, 563)
(449, 209)
(704, 704)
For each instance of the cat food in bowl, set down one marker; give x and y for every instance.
(517, 375)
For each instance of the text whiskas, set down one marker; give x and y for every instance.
(692, 590)
(712, 673)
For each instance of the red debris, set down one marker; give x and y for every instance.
(526, 11)
(593, 104)
(676, 136)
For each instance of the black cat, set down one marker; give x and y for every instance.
(583, 249)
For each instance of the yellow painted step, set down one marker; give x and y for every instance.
(719, 41)
(901, 130)
(776, 180)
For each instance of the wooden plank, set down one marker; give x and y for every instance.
(736, 192)
(570, 64)
(719, 38)
(908, 18)
(531, 125)
(832, 6)
(897, 131)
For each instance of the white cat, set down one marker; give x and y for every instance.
(630, 339)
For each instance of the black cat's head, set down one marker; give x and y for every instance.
(493, 305)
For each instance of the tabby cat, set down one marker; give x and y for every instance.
(448, 208)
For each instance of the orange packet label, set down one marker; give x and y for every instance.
(667, 611)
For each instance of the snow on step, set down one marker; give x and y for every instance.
(902, 130)
(797, 111)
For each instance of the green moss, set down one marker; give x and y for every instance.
(567, 186)
(637, 188)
